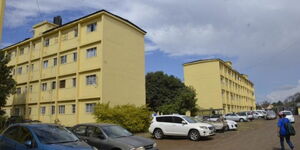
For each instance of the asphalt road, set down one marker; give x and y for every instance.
(256, 135)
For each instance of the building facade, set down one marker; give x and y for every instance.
(63, 71)
(219, 86)
(2, 7)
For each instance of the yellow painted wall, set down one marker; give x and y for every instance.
(204, 78)
(123, 63)
(2, 7)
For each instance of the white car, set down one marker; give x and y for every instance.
(263, 112)
(179, 125)
(258, 115)
(289, 115)
(232, 125)
(236, 117)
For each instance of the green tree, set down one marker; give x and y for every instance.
(7, 83)
(167, 94)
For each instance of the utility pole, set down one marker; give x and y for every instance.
(2, 7)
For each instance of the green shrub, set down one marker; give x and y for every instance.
(131, 117)
(3, 120)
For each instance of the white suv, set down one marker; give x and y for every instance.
(179, 125)
(289, 115)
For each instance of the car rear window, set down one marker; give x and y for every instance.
(164, 119)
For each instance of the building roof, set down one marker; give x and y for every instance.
(216, 59)
(100, 11)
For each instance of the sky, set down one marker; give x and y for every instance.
(260, 37)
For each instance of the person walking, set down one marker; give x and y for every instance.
(282, 132)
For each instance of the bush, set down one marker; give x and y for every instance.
(131, 117)
(3, 120)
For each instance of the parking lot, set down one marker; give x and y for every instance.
(255, 135)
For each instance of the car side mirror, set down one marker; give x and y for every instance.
(28, 143)
(183, 122)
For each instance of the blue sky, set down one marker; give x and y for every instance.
(259, 37)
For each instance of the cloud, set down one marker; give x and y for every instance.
(283, 92)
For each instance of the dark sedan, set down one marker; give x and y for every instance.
(26, 136)
(112, 137)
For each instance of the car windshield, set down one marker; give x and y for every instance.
(51, 134)
(189, 119)
(115, 131)
(287, 113)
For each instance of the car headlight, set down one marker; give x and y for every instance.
(139, 148)
(203, 127)
(94, 148)
(154, 145)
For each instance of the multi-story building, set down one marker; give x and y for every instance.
(2, 7)
(219, 86)
(63, 71)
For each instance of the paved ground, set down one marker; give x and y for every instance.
(256, 135)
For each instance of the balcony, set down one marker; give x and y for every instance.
(69, 44)
(22, 78)
(35, 75)
(19, 99)
(23, 58)
(33, 97)
(67, 68)
(49, 72)
(49, 95)
(51, 49)
(67, 93)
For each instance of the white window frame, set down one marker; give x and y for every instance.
(63, 59)
(91, 79)
(45, 64)
(90, 107)
(61, 109)
(44, 86)
(91, 27)
(91, 52)
(43, 110)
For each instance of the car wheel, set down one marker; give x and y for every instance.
(158, 134)
(241, 120)
(194, 135)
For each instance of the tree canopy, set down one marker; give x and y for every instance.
(167, 94)
(7, 83)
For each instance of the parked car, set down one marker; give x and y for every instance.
(232, 125)
(112, 137)
(246, 114)
(218, 124)
(236, 117)
(257, 115)
(270, 115)
(289, 115)
(179, 125)
(24, 136)
(262, 112)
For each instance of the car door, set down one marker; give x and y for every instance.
(178, 127)
(8, 141)
(96, 138)
(165, 123)
(25, 140)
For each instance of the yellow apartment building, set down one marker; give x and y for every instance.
(219, 86)
(2, 7)
(64, 70)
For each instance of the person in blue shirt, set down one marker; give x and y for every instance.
(282, 133)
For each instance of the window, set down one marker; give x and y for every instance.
(12, 132)
(73, 108)
(164, 119)
(61, 109)
(32, 67)
(91, 79)
(53, 85)
(45, 64)
(80, 130)
(75, 56)
(63, 59)
(30, 88)
(19, 71)
(44, 86)
(47, 42)
(52, 110)
(29, 110)
(62, 83)
(92, 52)
(91, 27)
(43, 110)
(75, 32)
(74, 82)
(27, 68)
(90, 107)
(17, 111)
(18, 90)
(21, 51)
(177, 120)
(54, 61)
